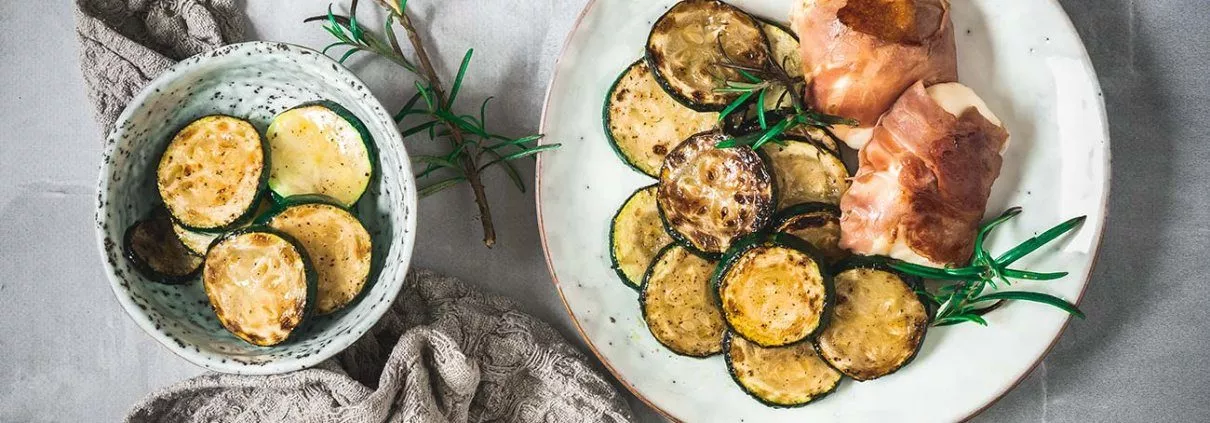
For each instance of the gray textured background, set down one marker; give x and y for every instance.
(68, 353)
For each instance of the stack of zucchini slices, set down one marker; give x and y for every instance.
(266, 221)
(734, 251)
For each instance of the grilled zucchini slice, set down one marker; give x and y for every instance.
(156, 253)
(800, 133)
(213, 173)
(320, 148)
(708, 196)
(678, 304)
(878, 323)
(683, 50)
(784, 46)
(775, 289)
(817, 223)
(636, 236)
(199, 242)
(336, 241)
(643, 123)
(260, 284)
(789, 376)
(806, 172)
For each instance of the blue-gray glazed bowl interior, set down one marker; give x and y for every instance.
(254, 81)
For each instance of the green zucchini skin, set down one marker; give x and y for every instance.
(266, 220)
(914, 283)
(615, 261)
(653, 56)
(817, 214)
(358, 125)
(728, 339)
(160, 225)
(312, 280)
(782, 240)
(644, 302)
(262, 183)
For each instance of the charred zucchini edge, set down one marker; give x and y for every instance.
(786, 241)
(142, 266)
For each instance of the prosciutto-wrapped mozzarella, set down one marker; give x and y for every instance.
(924, 177)
(858, 56)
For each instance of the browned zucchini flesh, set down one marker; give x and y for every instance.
(775, 289)
(643, 123)
(679, 306)
(816, 223)
(789, 376)
(636, 236)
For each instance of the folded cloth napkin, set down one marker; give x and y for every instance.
(442, 353)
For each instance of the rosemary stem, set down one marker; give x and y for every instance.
(469, 162)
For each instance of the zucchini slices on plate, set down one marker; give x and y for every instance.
(260, 283)
(789, 376)
(708, 197)
(636, 236)
(687, 44)
(320, 148)
(878, 323)
(775, 289)
(339, 246)
(643, 123)
(212, 174)
(678, 305)
(156, 253)
(816, 223)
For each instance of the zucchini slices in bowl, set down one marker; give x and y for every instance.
(708, 197)
(152, 246)
(320, 148)
(878, 323)
(261, 284)
(338, 244)
(213, 173)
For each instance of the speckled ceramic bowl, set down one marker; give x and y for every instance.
(255, 81)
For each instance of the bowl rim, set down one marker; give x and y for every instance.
(206, 359)
(1098, 240)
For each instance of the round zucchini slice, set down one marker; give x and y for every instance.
(775, 290)
(338, 244)
(878, 323)
(708, 197)
(213, 173)
(680, 308)
(636, 236)
(643, 123)
(784, 46)
(260, 284)
(157, 254)
(806, 173)
(684, 51)
(320, 148)
(816, 223)
(789, 376)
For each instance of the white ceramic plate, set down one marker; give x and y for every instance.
(1024, 58)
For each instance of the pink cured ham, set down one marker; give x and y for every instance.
(860, 55)
(924, 178)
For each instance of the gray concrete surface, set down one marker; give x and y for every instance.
(68, 353)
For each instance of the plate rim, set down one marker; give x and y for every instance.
(1085, 60)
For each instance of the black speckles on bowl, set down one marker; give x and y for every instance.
(253, 81)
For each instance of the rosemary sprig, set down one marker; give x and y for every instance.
(473, 149)
(963, 300)
(759, 82)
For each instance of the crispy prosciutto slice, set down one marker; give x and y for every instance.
(860, 55)
(924, 177)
